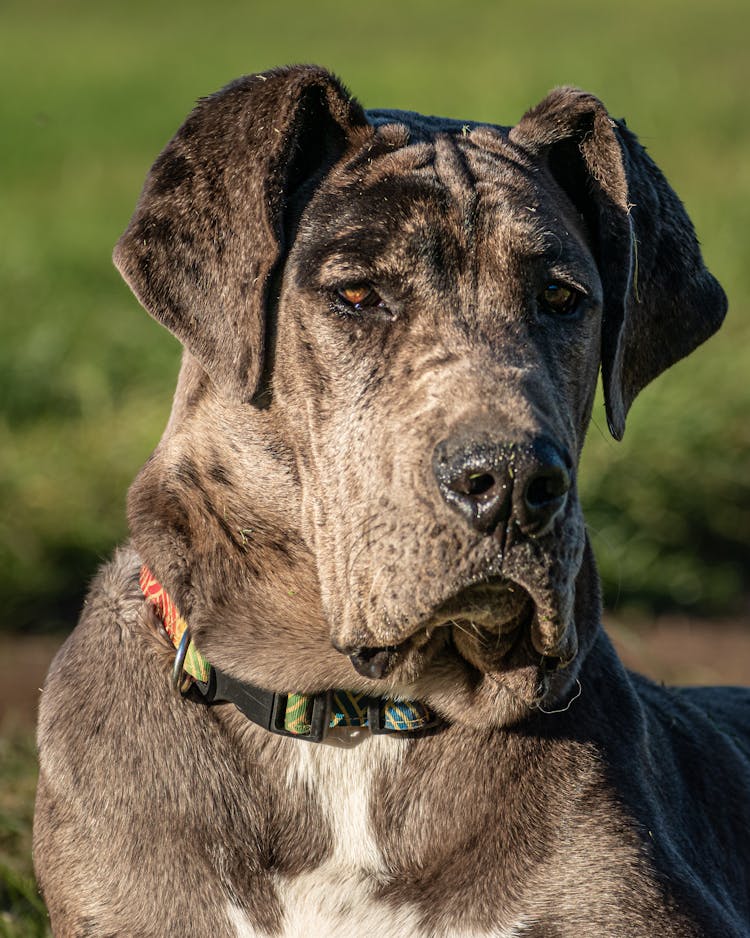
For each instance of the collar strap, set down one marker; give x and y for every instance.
(193, 663)
(305, 716)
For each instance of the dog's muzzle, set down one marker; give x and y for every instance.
(490, 484)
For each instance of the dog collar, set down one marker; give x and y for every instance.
(304, 716)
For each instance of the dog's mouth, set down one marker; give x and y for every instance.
(490, 626)
(506, 621)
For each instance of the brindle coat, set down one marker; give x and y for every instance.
(315, 497)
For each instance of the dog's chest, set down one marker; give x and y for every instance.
(340, 897)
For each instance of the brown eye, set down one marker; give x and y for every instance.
(359, 297)
(559, 299)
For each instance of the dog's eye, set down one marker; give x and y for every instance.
(560, 299)
(361, 296)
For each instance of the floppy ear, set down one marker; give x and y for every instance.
(209, 227)
(660, 302)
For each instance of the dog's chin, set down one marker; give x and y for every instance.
(477, 660)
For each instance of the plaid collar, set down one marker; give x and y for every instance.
(304, 716)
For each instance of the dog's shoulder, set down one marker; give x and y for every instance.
(688, 785)
(724, 710)
(110, 629)
(703, 719)
(109, 616)
(128, 768)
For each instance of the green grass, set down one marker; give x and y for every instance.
(22, 912)
(91, 92)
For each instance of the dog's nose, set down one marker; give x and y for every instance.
(475, 479)
(488, 482)
(545, 491)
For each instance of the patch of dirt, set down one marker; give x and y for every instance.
(673, 650)
(25, 662)
(685, 651)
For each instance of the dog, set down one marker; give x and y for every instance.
(348, 676)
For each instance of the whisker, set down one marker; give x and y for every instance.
(476, 634)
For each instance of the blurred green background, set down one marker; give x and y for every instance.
(90, 94)
(92, 91)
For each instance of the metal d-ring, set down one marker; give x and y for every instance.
(179, 686)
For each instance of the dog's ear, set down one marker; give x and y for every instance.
(660, 302)
(209, 227)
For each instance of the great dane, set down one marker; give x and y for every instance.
(348, 677)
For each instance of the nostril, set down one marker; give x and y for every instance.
(475, 485)
(546, 487)
(544, 497)
(479, 483)
(474, 480)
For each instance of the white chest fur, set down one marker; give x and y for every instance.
(337, 899)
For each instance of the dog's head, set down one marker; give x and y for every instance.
(394, 326)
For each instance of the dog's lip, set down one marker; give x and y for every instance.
(469, 610)
(376, 662)
(479, 603)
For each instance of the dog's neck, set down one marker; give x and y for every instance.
(308, 718)
(239, 523)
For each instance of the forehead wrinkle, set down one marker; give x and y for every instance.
(457, 177)
(493, 143)
(451, 165)
(516, 214)
(425, 202)
(410, 215)
(415, 241)
(413, 159)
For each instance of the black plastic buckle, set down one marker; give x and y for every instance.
(264, 707)
(319, 719)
